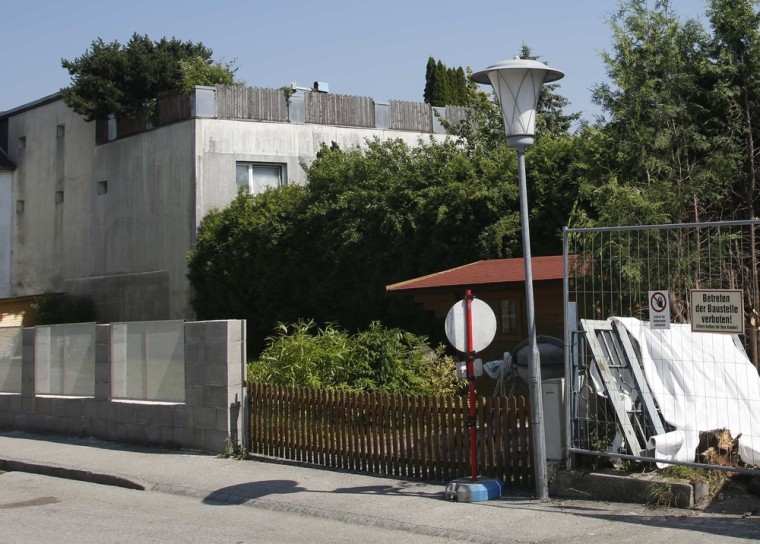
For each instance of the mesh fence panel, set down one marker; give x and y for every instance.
(612, 272)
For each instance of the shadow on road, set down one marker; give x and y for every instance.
(400, 491)
(239, 493)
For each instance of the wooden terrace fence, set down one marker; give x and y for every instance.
(423, 437)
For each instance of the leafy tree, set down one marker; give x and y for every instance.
(97, 88)
(736, 50)
(125, 80)
(563, 172)
(668, 140)
(198, 71)
(243, 252)
(377, 359)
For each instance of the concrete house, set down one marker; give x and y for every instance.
(110, 209)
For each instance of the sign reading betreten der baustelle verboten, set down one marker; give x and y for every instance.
(717, 310)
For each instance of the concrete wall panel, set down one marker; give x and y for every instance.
(202, 422)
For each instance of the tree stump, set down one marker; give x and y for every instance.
(717, 447)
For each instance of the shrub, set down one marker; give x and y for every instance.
(56, 308)
(377, 359)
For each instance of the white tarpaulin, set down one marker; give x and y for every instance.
(701, 382)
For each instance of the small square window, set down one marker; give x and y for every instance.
(58, 197)
(258, 177)
(22, 143)
(60, 131)
(102, 187)
(19, 206)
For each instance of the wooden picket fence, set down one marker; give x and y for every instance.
(423, 437)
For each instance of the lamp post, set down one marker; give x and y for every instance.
(517, 83)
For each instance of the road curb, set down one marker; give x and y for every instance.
(59, 471)
(600, 486)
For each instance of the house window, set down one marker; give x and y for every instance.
(60, 131)
(258, 177)
(507, 317)
(19, 206)
(59, 197)
(22, 143)
(102, 187)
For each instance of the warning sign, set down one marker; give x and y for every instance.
(659, 310)
(717, 310)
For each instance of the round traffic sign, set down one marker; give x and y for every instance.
(483, 325)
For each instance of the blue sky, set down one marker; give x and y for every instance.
(360, 47)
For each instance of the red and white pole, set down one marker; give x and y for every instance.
(471, 399)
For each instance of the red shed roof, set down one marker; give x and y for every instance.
(490, 271)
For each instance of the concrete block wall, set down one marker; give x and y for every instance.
(215, 361)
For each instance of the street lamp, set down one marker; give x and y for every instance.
(517, 83)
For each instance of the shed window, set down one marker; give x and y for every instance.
(507, 317)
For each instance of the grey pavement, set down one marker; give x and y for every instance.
(371, 501)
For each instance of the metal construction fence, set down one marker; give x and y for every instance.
(422, 437)
(662, 343)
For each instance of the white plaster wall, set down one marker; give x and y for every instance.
(143, 226)
(49, 240)
(7, 209)
(126, 247)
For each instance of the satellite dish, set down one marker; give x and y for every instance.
(483, 325)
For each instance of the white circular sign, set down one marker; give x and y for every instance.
(483, 325)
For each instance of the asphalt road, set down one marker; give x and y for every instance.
(37, 508)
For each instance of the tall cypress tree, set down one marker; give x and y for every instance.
(445, 86)
(442, 85)
(429, 79)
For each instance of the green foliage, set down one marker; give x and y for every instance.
(200, 71)
(715, 479)
(445, 86)
(660, 495)
(245, 258)
(563, 176)
(233, 450)
(681, 107)
(551, 119)
(377, 359)
(368, 218)
(56, 308)
(125, 80)
(735, 50)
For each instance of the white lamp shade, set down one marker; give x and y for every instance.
(517, 82)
